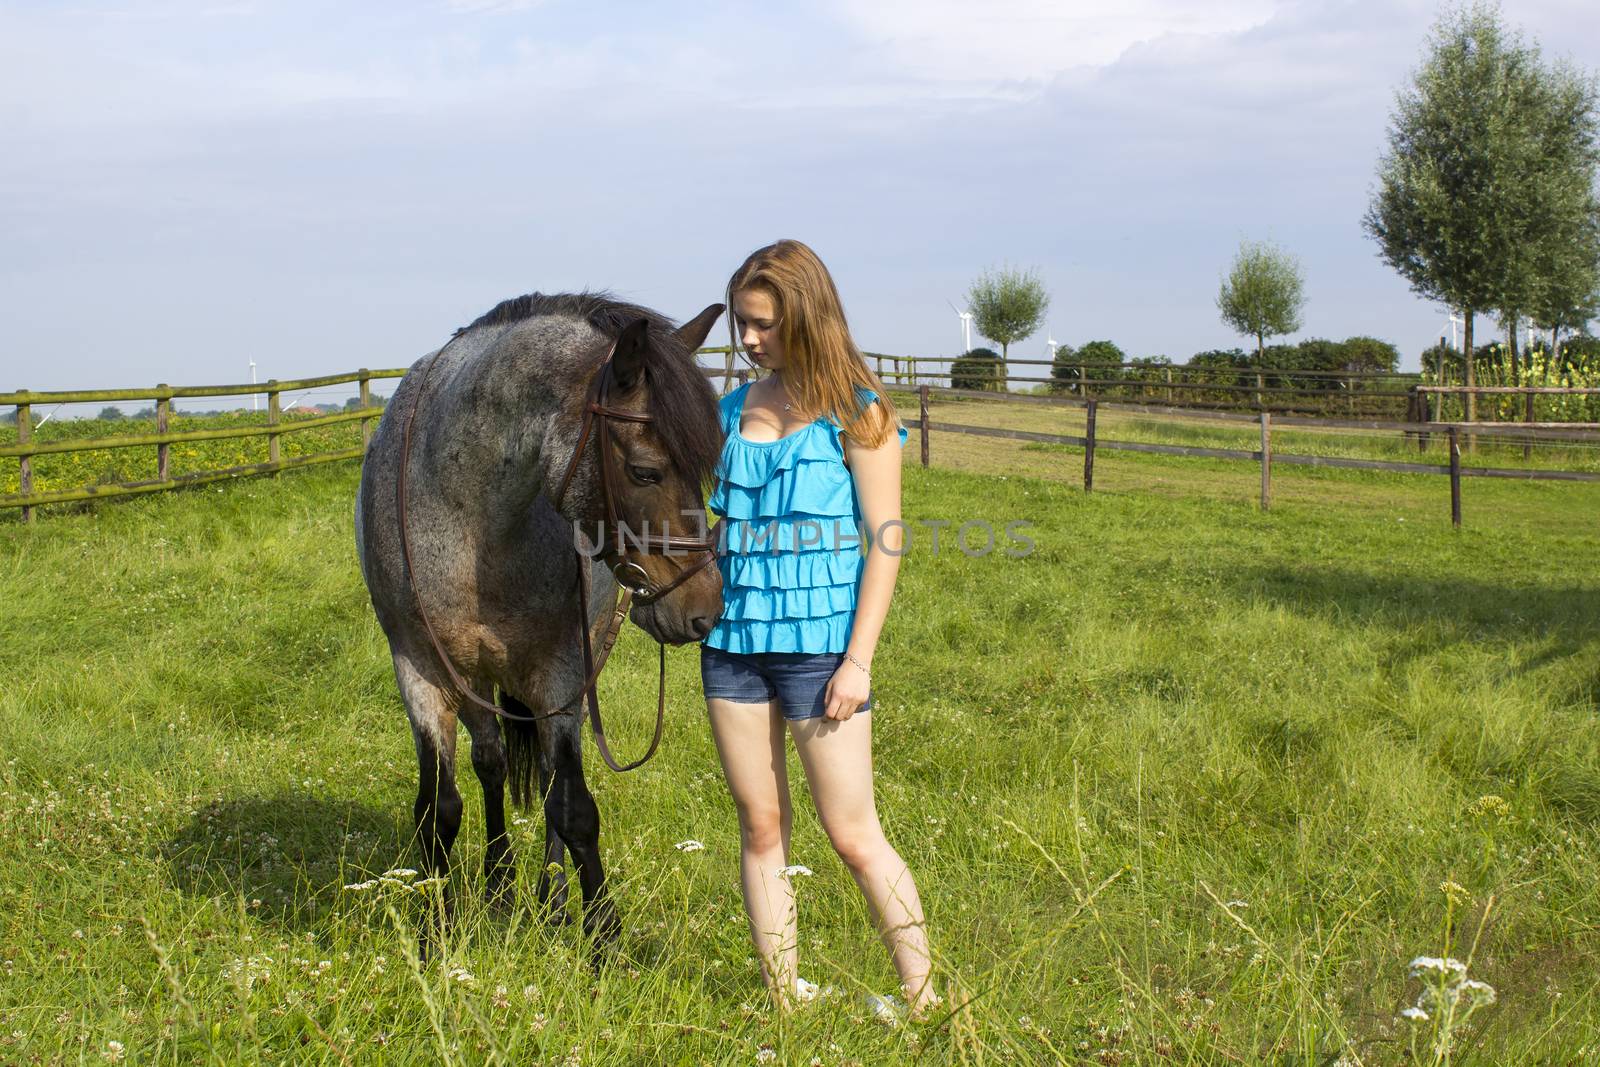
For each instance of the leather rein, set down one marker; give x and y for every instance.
(633, 581)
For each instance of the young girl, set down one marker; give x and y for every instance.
(809, 480)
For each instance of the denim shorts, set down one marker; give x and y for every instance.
(796, 679)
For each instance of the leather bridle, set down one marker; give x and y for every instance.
(633, 581)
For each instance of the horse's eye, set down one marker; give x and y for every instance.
(647, 475)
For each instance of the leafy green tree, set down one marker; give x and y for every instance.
(1368, 354)
(978, 369)
(1489, 165)
(1007, 305)
(1094, 360)
(1262, 294)
(111, 414)
(1063, 369)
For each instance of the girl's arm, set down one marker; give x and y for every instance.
(877, 481)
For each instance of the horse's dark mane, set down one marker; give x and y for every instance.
(682, 403)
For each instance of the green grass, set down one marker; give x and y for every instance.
(1174, 703)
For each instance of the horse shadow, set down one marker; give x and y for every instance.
(284, 858)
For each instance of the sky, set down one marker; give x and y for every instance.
(190, 185)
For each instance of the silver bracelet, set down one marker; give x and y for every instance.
(857, 662)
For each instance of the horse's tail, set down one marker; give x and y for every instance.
(521, 739)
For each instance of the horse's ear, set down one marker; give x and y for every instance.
(628, 358)
(693, 333)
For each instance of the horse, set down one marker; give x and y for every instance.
(473, 491)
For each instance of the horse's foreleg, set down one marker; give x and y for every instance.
(571, 809)
(552, 892)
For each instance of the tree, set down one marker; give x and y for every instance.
(1063, 369)
(111, 414)
(1368, 354)
(1096, 359)
(1262, 294)
(1007, 305)
(978, 369)
(1480, 183)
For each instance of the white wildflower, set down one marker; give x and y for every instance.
(362, 886)
(1434, 965)
(1415, 1015)
(400, 872)
(690, 845)
(792, 870)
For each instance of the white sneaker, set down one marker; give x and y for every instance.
(887, 1010)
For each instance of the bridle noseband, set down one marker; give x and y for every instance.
(633, 581)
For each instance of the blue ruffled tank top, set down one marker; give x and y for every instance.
(791, 551)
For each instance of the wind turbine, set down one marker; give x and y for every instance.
(1051, 343)
(1456, 320)
(966, 327)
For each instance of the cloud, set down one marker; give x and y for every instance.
(1004, 42)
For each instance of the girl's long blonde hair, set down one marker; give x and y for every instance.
(823, 366)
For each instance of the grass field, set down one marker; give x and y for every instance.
(1187, 784)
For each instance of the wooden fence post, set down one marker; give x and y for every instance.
(1266, 461)
(366, 402)
(1455, 477)
(24, 435)
(1168, 374)
(273, 451)
(1527, 446)
(922, 416)
(163, 424)
(1088, 446)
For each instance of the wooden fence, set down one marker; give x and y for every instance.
(1264, 455)
(162, 440)
(25, 447)
(1281, 390)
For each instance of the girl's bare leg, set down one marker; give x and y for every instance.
(749, 739)
(837, 757)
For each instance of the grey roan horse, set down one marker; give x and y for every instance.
(493, 561)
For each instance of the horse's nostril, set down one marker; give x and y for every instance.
(701, 624)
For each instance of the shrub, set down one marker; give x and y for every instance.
(1433, 354)
(978, 369)
(1581, 352)
(1063, 370)
(1369, 354)
(1102, 352)
(1220, 357)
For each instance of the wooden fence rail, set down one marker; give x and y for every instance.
(27, 446)
(1265, 455)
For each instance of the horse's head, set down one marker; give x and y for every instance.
(658, 471)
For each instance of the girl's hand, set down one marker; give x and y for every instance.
(847, 690)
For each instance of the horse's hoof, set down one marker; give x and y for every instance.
(553, 913)
(500, 894)
(602, 926)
